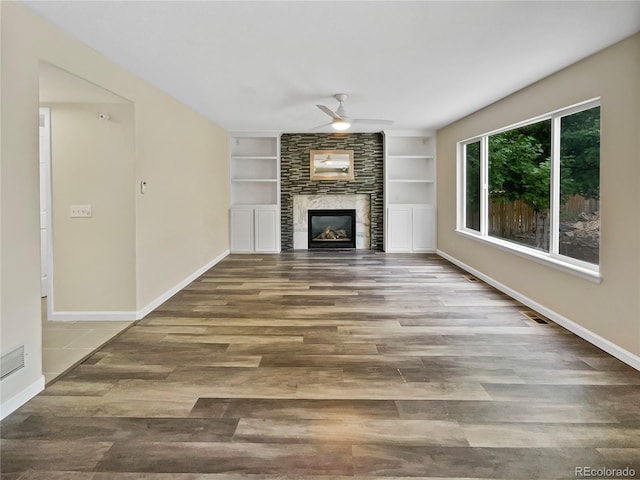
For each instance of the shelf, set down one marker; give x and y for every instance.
(409, 146)
(410, 157)
(254, 193)
(253, 157)
(254, 179)
(410, 192)
(254, 205)
(412, 205)
(409, 180)
(254, 146)
(253, 167)
(254, 171)
(413, 168)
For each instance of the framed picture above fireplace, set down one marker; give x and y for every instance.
(331, 165)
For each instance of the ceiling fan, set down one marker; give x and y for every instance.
(342, 121)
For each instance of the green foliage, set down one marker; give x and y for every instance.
(473, 185)
(519, 166)
(580, 154)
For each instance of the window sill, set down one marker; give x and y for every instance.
(586, 272)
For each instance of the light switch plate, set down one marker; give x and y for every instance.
(80, 211)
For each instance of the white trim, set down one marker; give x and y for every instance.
(252, 133)
(15, 402)
(410, 133)
(580, 269)
(484, 186)
(133, 315)
(92, 316)
(560, 112)
(584, 333)
(555, 204)
(46, 112)
(49, 267)
(143, 312)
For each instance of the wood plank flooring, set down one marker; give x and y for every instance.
(332, 365)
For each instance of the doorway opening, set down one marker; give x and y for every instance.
(87, 205)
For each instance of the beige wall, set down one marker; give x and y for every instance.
(93, 163)
(19, 205)
(183, 219)
(610, 309)
(181, 223)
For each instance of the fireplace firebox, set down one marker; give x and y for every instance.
(332, 228)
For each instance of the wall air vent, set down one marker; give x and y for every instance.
(11, 362)
(536, 317)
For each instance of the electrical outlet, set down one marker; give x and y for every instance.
(80, 211)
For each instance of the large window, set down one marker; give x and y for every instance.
(535, 187)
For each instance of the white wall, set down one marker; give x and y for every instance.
(181, 224)
(610, 310)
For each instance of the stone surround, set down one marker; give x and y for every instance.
(303, 203)
(295, 181)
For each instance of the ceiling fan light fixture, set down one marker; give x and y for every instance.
(339, 124)
(340, 120)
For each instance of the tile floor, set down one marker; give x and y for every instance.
(64, 344)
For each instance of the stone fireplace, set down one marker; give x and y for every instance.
(299, 193)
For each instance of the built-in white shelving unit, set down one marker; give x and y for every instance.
(254, 170)
(410, 192)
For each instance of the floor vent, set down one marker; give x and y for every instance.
(531, 315)
(11, 362)
(471, 278)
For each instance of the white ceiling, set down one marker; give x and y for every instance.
(263, 65)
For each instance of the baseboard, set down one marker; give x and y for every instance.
(584, 333)
(133, 315)
(92, 316)
(15, 402)
(151, 306)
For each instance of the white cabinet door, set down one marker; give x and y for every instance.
(411, 228)
(424, 232)
(265, 229)
(254, 229)
(241, 229)
(399, 237)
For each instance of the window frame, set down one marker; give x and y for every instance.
(552, 258)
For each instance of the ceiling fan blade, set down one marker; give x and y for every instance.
(320, 126)
(328, 111)
(372, 121)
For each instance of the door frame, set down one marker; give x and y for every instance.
(46, 290)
